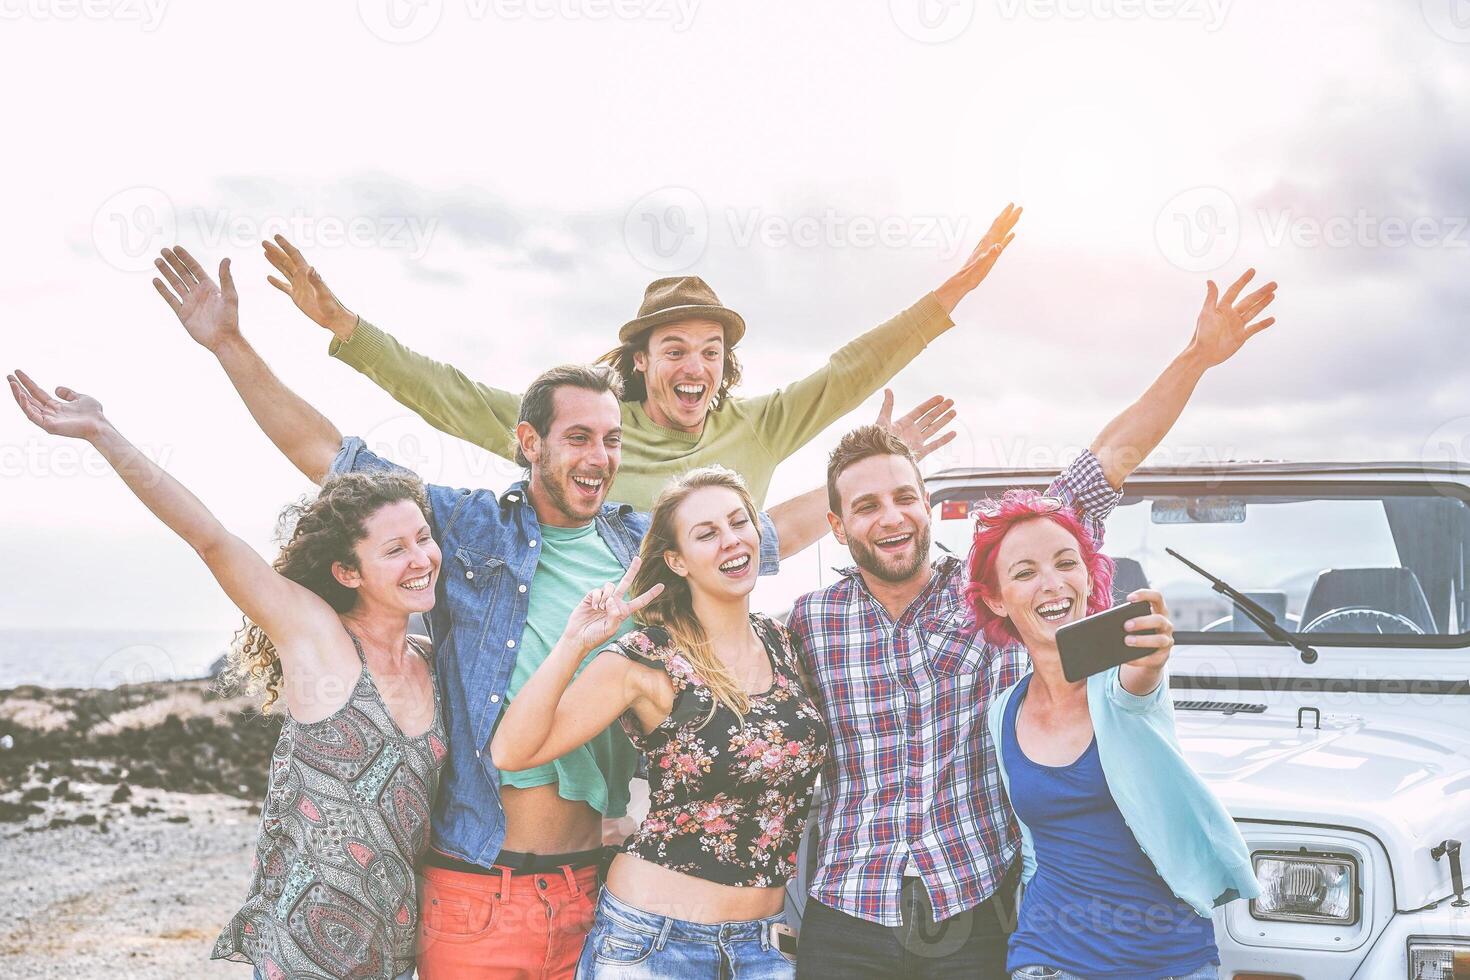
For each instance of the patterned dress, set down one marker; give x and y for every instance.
(346, 817)
(728, 796)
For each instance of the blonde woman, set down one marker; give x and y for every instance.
(711, 694)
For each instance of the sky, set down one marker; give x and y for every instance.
(495, 181)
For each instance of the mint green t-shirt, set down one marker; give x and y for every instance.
(573, 562)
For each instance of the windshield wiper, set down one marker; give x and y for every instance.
(1253, 610)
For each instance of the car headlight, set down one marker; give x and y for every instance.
(1302, 887)
(1438, 959)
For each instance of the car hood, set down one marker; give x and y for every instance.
(1405, 781)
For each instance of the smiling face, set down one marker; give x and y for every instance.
(683, 365)
(1043, 582)
(574, 463)
(397, 560)
(718, 544)
(884, 519)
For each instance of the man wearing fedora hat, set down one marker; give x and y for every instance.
(677, 359)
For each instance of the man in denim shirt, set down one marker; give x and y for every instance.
(512, 878)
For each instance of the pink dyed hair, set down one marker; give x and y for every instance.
(996, 520)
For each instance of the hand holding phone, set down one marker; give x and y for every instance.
(1092, 645)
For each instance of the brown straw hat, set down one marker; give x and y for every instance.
(682, 298)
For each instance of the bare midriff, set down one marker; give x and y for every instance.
(538, 821)
(660, 891)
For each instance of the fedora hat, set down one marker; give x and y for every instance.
(682, 298)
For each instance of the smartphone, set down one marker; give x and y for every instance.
(784, 939)
(1092, 645)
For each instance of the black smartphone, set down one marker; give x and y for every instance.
(1094, 644)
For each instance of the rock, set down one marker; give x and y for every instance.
(179, 818)
(16, 812)
(34, 794)
(86, 820)
(122, 794)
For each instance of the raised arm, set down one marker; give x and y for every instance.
(553, 714)
(439, 393)
(211, 315)
(1225, 323)
(802, 520)
(295, 618)
(790, 417)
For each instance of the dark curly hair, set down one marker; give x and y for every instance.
(317, 531)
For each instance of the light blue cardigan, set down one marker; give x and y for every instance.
(1187, 834)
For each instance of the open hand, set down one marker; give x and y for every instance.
(1226, 323)
(597, 617)
(920, 429)
(68, 413)
(307, 289)
(981, 261)
(211, 313)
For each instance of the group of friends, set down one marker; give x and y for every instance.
(456, 804)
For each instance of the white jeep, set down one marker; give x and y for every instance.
(1341, 748)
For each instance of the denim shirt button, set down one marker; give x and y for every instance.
(494, 699)
(469, 574)
(520, 588)
(510, 643)
(533, 542)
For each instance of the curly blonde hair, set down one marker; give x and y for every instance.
(317, 531)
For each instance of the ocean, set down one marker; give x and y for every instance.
(106, 658)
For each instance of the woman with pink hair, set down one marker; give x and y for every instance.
(1125, 851)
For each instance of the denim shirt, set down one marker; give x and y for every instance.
(489, 544)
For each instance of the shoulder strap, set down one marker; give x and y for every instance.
(357, 645)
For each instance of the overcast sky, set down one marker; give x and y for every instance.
(495, 181)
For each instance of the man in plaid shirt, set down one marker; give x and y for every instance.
(918, 860)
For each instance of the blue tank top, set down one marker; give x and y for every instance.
(1095, 906)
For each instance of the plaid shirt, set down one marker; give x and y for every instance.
(911, 771)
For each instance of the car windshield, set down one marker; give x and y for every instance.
(1373, 564)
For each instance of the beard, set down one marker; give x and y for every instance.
(891, 569)
(552, 482)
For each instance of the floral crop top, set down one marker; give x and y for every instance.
(728, 797)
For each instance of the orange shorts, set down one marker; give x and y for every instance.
(504, 924)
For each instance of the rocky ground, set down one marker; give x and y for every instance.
(126, 823)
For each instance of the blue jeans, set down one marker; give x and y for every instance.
(627, 942)
(1207, 972)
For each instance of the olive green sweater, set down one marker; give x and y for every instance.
(749, 435)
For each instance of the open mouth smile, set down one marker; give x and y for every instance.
(736, 567)
(417, 584)
(690, 394)
(1055, 611)
(589, 485)
(895, 542)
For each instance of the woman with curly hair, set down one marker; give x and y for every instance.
(713, 698)
(346, 815)
(1125, 851)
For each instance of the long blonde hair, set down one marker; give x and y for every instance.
(674, 607)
